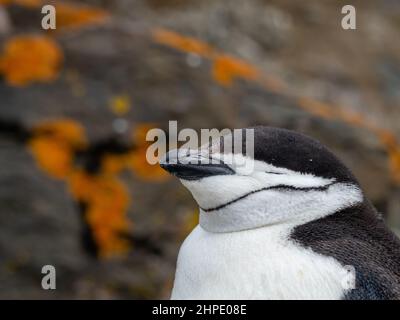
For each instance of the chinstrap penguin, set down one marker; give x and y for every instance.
(297, 226)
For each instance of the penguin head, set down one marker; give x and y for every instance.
(289, 178)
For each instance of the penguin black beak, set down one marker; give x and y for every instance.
(180, 167)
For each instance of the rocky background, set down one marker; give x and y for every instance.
(75, 103)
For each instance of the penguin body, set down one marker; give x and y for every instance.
(292, 228)
(254, 264)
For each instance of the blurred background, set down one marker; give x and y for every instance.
(76, 103)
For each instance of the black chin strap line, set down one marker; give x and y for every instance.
(277, 187)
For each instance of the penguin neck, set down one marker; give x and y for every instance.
(272, 207)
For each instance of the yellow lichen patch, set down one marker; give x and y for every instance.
(226, 69)
(70, 16)
(120, 104)
(53, 145)
(182, 43)
(107, 201)
(28, 59)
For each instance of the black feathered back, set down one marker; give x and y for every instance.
(358, 237)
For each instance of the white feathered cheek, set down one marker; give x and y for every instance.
(216, 190)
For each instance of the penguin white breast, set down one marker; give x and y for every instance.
(259, 263)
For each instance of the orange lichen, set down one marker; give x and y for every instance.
(137, 158)
(113, 164)
(393, 149)
(226, 69)
(394, 158)
(140, 132)
(52, 157)
(353, 118)
(143, 169)
(65, 130)
(68, 15)
(28, 59)
(107, 201)
(53, 145)
(182, 43)
(316, 108)
(24, 3)
(71, 16)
